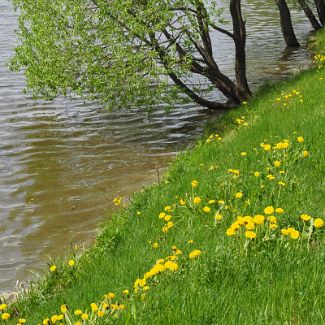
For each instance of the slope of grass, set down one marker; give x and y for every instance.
(270, 157)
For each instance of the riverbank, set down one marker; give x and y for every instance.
(180, 253)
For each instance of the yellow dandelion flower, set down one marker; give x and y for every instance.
(53, 268)
(267, 147)
(282, 145)
(140, 282)
(71, 263)
(285, 232)
(195, 253)
(272, 219)
(243, 154)
(160, 261)
(319, 223)
(305, 217)
(182, 202)
(257, 174)
(121, 307)
(117, 200)
(93, 307)
(277, 163)
(78, 312)
(171, 266)
(206, 209)
(218, 217)
(114, 306)
(170, 224)
(100, 313)
(250, 234)
(273, 226)
(168, 209)
(164, 229)
(162, 215)
(234, 171)
(60, 317)
(294, 234)
(110, 295)
(247, 219)
(282, 183)
(239, 195)
(250, 225)
(270, 177)
(305, 154)
(54, 319)
(212, 201)
(64, 309)
(195, 183)
(155, 245)
(168, 217)
(3, 306)
(300, 139)
(279, 210)
(269, 210)
(5, 316)
(231, 232)
(126, 292)
(258, 219)
(197, 200)
(84, 316)
(21, 320)
(191, 241)
(172, 257)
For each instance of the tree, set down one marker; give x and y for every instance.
(286, 24)
(309, 14)
(320, 5)
(127, 52)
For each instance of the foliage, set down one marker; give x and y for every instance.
(118, 51)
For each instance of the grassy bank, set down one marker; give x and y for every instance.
(233, 234)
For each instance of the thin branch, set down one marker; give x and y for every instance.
(221, 30)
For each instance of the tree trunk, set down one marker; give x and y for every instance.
(286, 24)
(239, 30)
(308, 12)
(320, 5)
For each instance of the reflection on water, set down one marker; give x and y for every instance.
(62, 163)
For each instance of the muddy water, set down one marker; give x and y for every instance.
(61, 163)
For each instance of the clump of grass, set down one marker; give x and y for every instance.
(233, 234)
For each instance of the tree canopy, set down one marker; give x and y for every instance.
(127, 52)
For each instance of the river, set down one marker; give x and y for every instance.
(63, 162)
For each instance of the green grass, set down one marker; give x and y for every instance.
(272, 279)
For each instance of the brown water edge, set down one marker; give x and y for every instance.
(62, 163)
